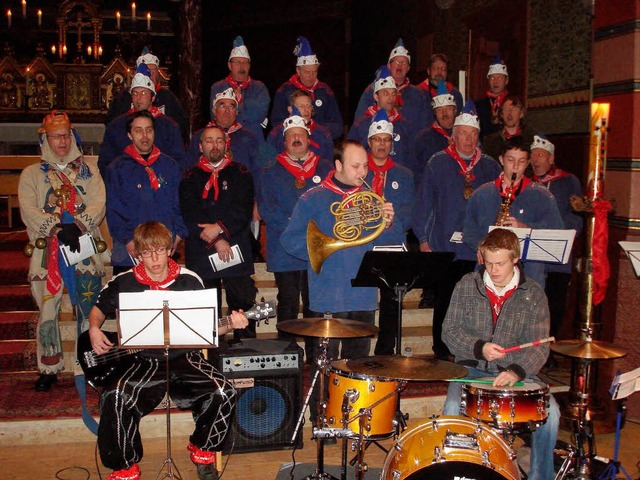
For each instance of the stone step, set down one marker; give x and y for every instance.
(18, 325)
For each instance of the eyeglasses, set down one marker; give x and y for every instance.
(242, 63)
(384, 139)
(141, 93)
(400, 62)
(229, 108)
(158, 251)
(60, 136)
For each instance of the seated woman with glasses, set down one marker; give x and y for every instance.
(195, 384)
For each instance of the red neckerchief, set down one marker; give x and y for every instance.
(399, 100)
(379, 173)
(228, 131)
(393, 115)
(153, 156)
(496, 100)
(497, 301)
(508, 135)
(502, 188)
(153, 110)
(300, 172)
(330, 185)
(142, 277)
(433, 91)
(205, 165)
(238, 87)
(295, 80)
(436, 126)
(553, 174)
(465, 170)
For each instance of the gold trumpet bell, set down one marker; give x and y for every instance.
(320, 246)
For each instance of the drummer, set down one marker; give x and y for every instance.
(495, 308)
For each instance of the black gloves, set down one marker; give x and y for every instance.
(70, 235)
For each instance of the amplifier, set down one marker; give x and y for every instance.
(267, 375)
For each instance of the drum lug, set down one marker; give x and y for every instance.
(485, 460)
(396, 475)
(512, 404)
(437, 455)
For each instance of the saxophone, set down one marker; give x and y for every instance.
(503, 213)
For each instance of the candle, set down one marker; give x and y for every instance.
(89, 50)
(9, 18)
(53, 49)
(100, 51)
(133, 11)
(27, 78)
(24, 8)
(118, 20)
(148, 20)
(597, 149)
(64, 49)
(39, 18)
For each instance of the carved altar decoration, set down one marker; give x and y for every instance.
(115, 79)
(40, 80)
(12, 84)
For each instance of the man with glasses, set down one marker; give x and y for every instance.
(251, 94)
(194, 383)
(165, 100)
(217, 201)
(531, 205)
(410, 101)
(167, 136)
(142, 185)
(437, 71)
(61, 198)
(384, 96)
(325, 105)
(512, 120)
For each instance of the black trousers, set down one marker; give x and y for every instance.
(292, 287)
(387, 323)
(194, 384)
(241, 295)
(557, 290)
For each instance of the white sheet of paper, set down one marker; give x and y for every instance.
(141, 320)
(456, 237)
(218, 264)
(632, 249)
(545, 245)
(628, 383)
(390, 248)
(87, 248)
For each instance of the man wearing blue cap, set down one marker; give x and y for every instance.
(167, 133)
(384, 95)
(449, 179)
(325, 105)
(410, 101)
(165, 99)
(251, 95)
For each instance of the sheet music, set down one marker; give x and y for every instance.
(543, 245)
(632, 249)
(87, 249)
(390, 248)
(217, 264)
(625, 384)
(193, 317)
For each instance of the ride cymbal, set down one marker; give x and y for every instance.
(420, 368)
(591, 349)
(328, 328)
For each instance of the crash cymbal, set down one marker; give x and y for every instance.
(328, 328)
(420, 368)
(590, 349)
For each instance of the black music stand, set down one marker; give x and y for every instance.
(400, 272)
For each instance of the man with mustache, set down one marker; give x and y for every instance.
(437, 72)
(512, 119)
(142, 185)
(251, 95)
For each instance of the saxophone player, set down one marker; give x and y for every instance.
(529, 204)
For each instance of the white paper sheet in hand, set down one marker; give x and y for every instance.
(87, 249)
(217, 264)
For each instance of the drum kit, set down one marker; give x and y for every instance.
(363, 406)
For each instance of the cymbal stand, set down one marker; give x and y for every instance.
(580, 461)
(318, 432)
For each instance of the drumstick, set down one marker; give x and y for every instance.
(478, 380)
(530, 344)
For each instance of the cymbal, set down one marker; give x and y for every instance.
(591, 349)
(420, 368)
(327, 328)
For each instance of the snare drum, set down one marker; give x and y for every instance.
(517, 409)
(450, 447)
(361, 391)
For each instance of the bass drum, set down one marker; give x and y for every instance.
(448, 448)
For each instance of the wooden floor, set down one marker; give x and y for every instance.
(76, 461)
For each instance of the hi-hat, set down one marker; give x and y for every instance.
(327, 328)
(590, 349)
(420, 368)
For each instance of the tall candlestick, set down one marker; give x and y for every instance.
(118, 20)
(9, 18)
(133, 11)
(27, 79)
(39, 18)
(24, 8)
(89, 50)
(148, 20)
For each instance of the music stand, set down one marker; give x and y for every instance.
(401, 272)
(155, 327)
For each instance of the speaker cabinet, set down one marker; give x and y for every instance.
(267, 375)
